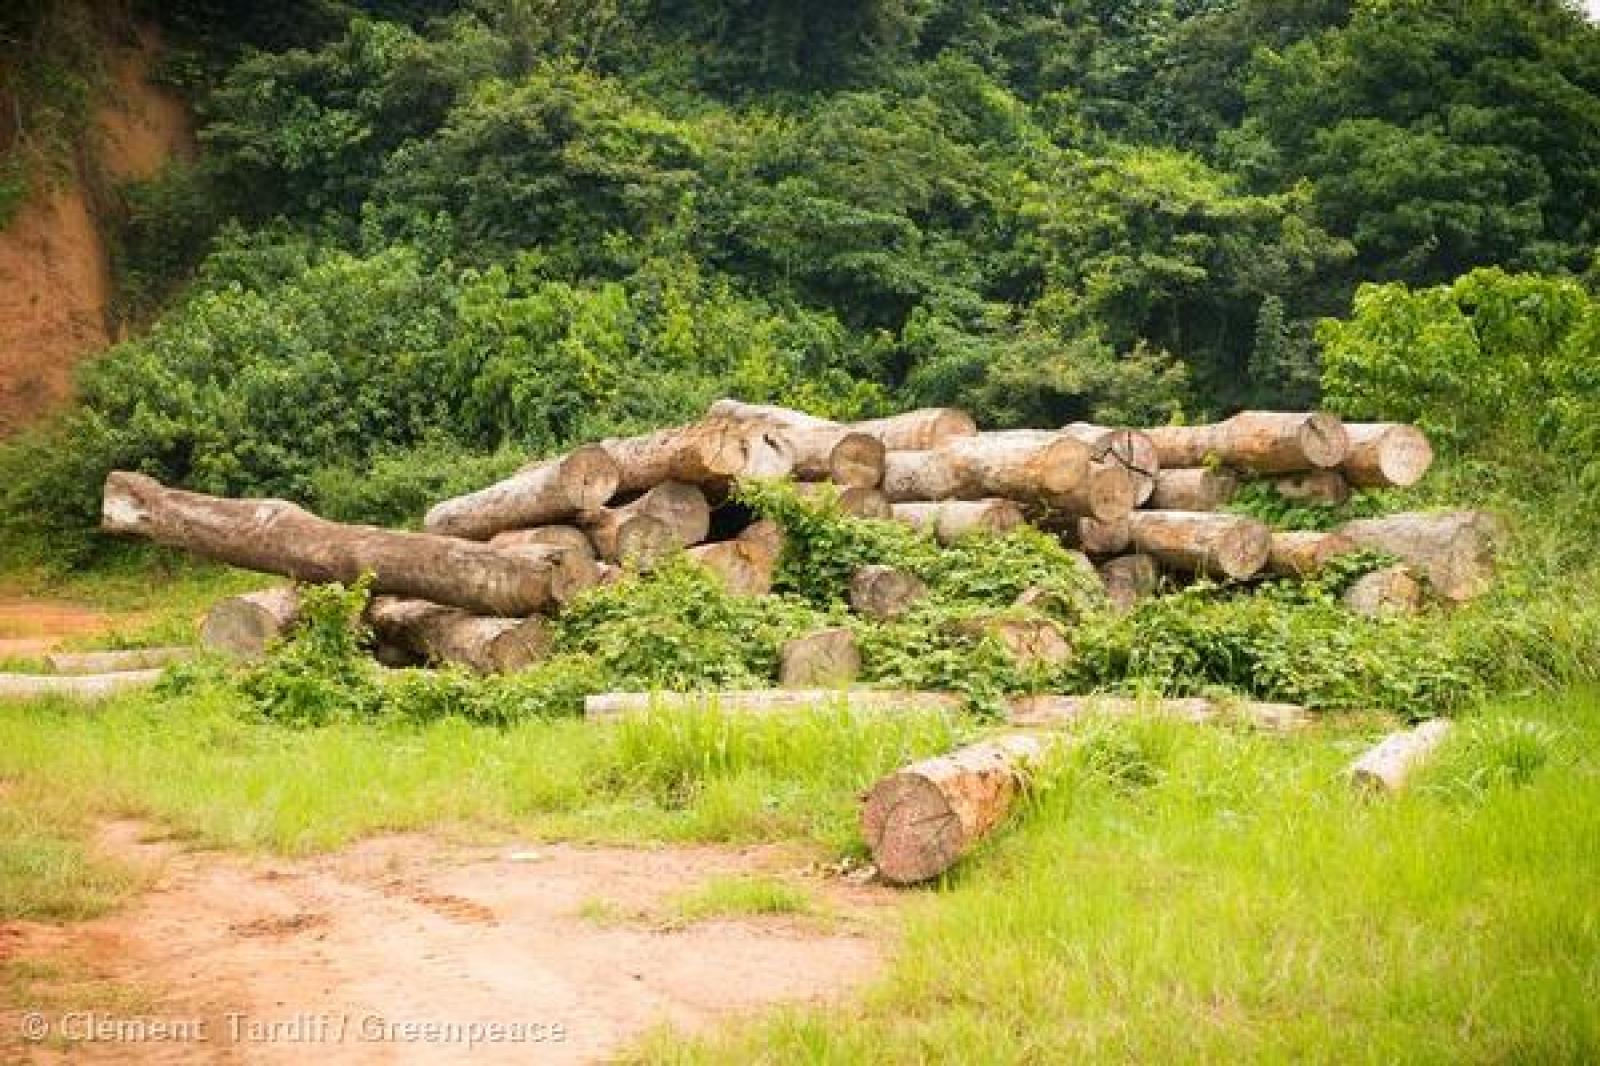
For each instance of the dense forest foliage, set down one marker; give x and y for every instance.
(424, 238)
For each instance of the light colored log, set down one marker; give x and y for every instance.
(916, 431)
(90, 687)
(852, 500)
(712, 454)
(1036, 712)
(1029, 466)
(1262, 442)
(1393, 590)
(1302, 553)
(1194, 488)
(607, 706)
(623, 537)
(1454, 551)
(1185, 446)
(1129, 579)
(1032, 643)
(884, 591)
(277, 537)
(569, 537)
(449, 635)
(78, 663)
(1107, 492)
(246, 626)
(952, 520)
(1131, 448)
(1095, 537)
(1325, 487)
(1203, 543)
(766, 533)
(822, 449)
(1385, 455)
(826, 658)
(1390, 765)
(911, 476)
(744, 566)
(539, 494)
(683, 507)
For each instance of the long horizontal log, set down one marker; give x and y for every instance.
(1263, 442)
(1194, 488)
(1326, 487)
(449, 635)
(90, 687)
(1209, 544)
(712, 454)
(918, 431)
(953, 520)
(852, 500)
(278, 537)
(822, 449)
(611, 705)
(1393, 590)
(1030, 466)
(1091, 535)
(1454, 551)
(1386, 455)
(1131, 448)
(1391, 764)
(246, 626)
(537, 495)
(79, 663)
(1302, 553)
(561, 536)
(1036, 712)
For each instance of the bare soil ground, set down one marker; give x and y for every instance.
(408, 929)
(31, 626)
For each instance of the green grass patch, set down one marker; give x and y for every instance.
(47, 872)
(742, 897)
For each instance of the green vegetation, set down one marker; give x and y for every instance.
(736, 897)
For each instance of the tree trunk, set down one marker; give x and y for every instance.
(919, 431)
(1185, 446)
(569, 537)
(1032, 643)
(1129, 579)
(745, 566)
(622, 537)
(1301, 553)
(1386, 454)
(1203, 543)
(823, 450)
(1107, 492)
(885, 592)
(1394, 590)
(951, 520)
(1130, 448)
(280, 538)
(1263, 442)
(1387, 767)
(1092, 536)
(244, 626)
(611, 705)
(448, 635)
(77, 664)
(1326, 487)
(920, 820)
(543, 493)
(1455, 551)
(912, 476)
(1033, 712)
(1194, 488)
(91, 687)
(854, 501)
(1033, 466)
(826, 658)
(684, 508)
(712, 454)
(767, 534)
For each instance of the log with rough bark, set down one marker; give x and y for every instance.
(1030, 642)
(1107, 492)
(277, 537)
(1093, 536)
(89, 687)
(684, 508)
(911, 476)
(245, 626)
(827, 657)
(884, 591)
(449, 635)
(713, 454)
(606, 706)
(1388, 766)
(918, 431)
(79, 663)
(1193, 488)
(1038, 467)
(1131, 448)
(1263, 442)
(951, 520)
(852, 500)
(1205, 543)
(744, 565)
(921, 819)
(1454, 551)
(1393, 590)
(1386, 454)
(569, 537)
(822, 449)
(1129, 579)
(624, 537)
(1035, 712)
(1325, 487)
(1301, 553)
(537, 495)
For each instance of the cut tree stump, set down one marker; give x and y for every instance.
(279, 538)
(1131, 448)
(920, 820)
(1387, 767)
(885, 592)
(606, 706)
(449, 635)
(952, 520)
(1393, 590)
(1195, 488)
(1301, 553)
(712, 454)
(569, 537)
(79, 663)
(1035, 712)
(1385, 455)
(919, 431)
(537, 495)
(1203, 543)
(828, 657)
(245, 626)
(1129, 579)
(89, 687)
(823, 450)
(853, 500)
(1454, 551)
(1325, 487)
(1262, 442)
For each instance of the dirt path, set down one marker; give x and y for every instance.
(31, 626)
(406, 930)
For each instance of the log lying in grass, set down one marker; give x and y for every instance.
(745, 566)
(1301, 553)
(1388, 766)
(1193, 488)
(828, 657)
(569, 537)
(277, 537)
(1263, 442)
(448, 635)
(711, 454)
(611, 705)
(918, 431)
(1036, 712)
(952, 520)
(89, 687)
(822, 449)
(1031, 642)
(79, 663)
(1393, 590)
(1129, 579)
(1454, 551)
(921, 819)
(884, 591)
(245, 626)
(1130, 448)
(537, 495)
(1325, 487)
(1386, 454)
(1203, 543)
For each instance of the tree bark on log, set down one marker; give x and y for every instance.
(448, 635)
(1394, 590)
(823, 450)
(914, 476)
(1203, 542)
(245, 626)
(91, 687)
(1194, 488)
(952, 520)
(1388, 766)
(920, 820)
(884, 591)
(1263, 442)
(1092, 536)
(1454, 551)
(745, 566)
(855, 501)
(712, 454)
(569, 537)
(1107, 492)
(607, 706)
(1035, 712)
(1129, 579)
(277, 537)
(1131, 448)
(1386, 455)
(1325, 487)
(1302, 553)
(1033, 466)
(919, 431)
(80, 663)
(537, 495)
(826, 658)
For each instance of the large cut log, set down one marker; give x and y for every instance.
(1193, 488)
(921, 819)
(1034, 466)
(1035, 712)
(918, 431)
(79, 663)
(911, 476)
(952, 520)
(1301, 553)
(1032, 643)
(606, 706)
(1325, 487)
(683, 507)
(449, 635)
(1129, 579)
(744, 565)
(852, 500)
(822, 449)
(91, 687)
(1393, 590)
(246, 626)
(885, 591)
(1203, 543)
(537, 495)
(670, 516)
(1454, 551)
(712, 454)
(1132, 449)
(1388, 766)
(1091, 535)
(1108, 492)
(279, 538)
(1386, 454)
(827, 657)
(1263, 442)
(569, 537)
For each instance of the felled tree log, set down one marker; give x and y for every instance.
(1386, 454)
(80, 663)
(1091, 535)
(1129, 579)
(1107, 492)
(1193, 488)
(1031, 642)
(621, 536)
(1388, 766)
(745, 566)
(277, 537)
(1455, 551)
(951, 520)
(245, 626)
(828, 657)
(1034, 712)
(1389, 591)
(853, 500)
(712, 453)
(444, 635)
(684, 508)
(569, 537)
(911, 476)
(611, 705)
(1301, 553)
(1033, 466)
(1327, 487)
(1263, 442)
(884, 591)
(921, 819)
(1203, 543)
(917, 431)
(537, 495)
(766, 533)
(91, 687)
(1131, 448)
(822, 449)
